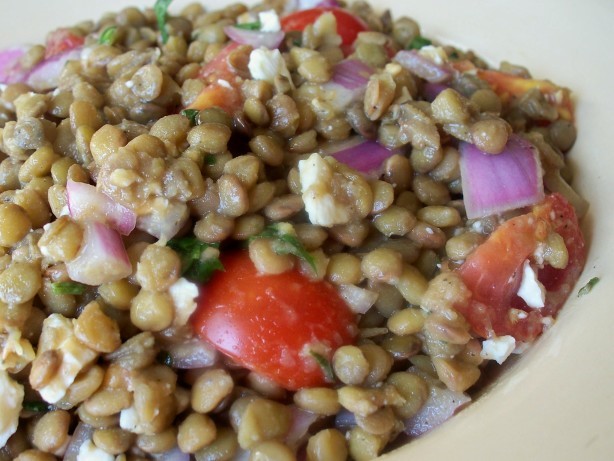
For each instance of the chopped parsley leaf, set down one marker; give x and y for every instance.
(418, 42)
(195, 264)
(210, 159)
(586, 289)
(164, 358)
(249, 25)
(191, 114)
(37, 406)
(68, 288)
(326, 366)
(286, 242)
(108, 36)
(161, 8)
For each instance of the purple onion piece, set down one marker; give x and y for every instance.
(255, 38)
(423, 67)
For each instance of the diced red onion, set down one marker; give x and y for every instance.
(10, 65)
(83, 432)
(192, 353)
(362, 155)
(497, 183)
(359, 300)
(46, 75)
(348, 82)
(423, 67)
(174, 454)
(86, 203)
(255, 38)
(431, 90)
(298, 5)
(352, 74)
(345, 419)
(102, 257)
(440, 406)
(165, 222)
(301, 422)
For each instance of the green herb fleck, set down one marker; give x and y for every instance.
(286, 242)
(164, 358)
(249, 25)
(161, 8)
(68, 288)
(586, 289)
(454, 55)
(197, 263)
(191, 114)
(37, 406)
(210, 159)
(108, 36)
(418, 42)
(326, 366)
(297, 42)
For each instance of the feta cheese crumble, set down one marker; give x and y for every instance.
(11, 399)
(316, 176)
(184, 294)
(58, 333)
(531, 289)
(265, 64)
(498, 348)
(269, 21)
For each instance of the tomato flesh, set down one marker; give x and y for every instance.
(223, 84)
(60, 41)
(348, 25)
(493, 271)
(272, 324)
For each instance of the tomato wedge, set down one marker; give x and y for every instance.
(493, 271)
(62, 40)
(348, 25)
(276, 325)
(223, 88)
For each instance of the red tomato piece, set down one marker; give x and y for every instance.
(62, 40)
(271, 324)
(507, 86)
(348, 25)
(223, 84)
(493, 271)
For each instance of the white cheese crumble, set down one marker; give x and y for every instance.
(498, 348)
(316, 176)
(269, 21)
(17, 352)
(58, 333)
(11, 399)
(265, 64)
(129, 420)
(531, 289)
(184, 294)
(90, 452)
(435, 53)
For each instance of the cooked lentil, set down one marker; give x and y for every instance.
(122, 360)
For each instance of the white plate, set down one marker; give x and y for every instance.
(557, 402)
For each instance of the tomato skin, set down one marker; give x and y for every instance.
(268, 323)
(60, 41)
(494, 270)
(348, 25)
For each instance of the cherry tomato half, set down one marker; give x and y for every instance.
(348, 25)
(275, 325)
(493, 271)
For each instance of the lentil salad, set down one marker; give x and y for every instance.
(371, 329)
